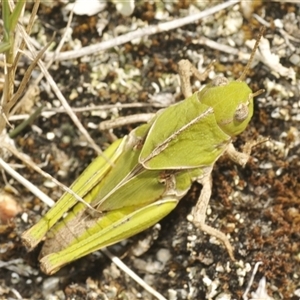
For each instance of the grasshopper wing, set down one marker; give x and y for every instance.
(91, 176)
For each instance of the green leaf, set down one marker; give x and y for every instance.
(14, 18)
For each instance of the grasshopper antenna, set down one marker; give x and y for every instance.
(244, 74)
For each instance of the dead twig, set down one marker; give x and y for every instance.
(139, 33)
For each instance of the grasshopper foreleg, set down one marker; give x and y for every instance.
(238, 157)
(186, 70)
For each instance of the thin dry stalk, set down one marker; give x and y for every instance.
(59, 95)
(140, 33)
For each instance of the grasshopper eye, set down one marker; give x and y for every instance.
(241, 112)
(220, 81)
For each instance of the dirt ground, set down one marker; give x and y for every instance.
(257, 206)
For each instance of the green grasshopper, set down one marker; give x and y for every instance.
(148, 171)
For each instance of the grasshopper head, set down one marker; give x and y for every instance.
(232, 103)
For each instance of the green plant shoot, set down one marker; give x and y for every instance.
(151, 169)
